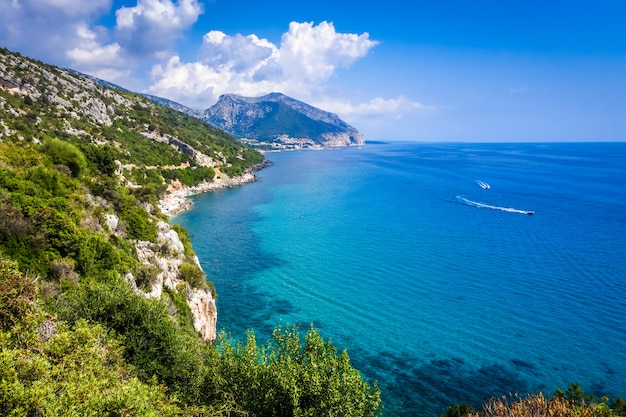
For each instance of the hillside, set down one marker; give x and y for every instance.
(280, 122)
(104, 309)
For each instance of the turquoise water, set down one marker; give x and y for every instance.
(441, 289)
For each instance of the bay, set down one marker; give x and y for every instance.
(420, 259)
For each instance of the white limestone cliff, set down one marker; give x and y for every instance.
(168, 255)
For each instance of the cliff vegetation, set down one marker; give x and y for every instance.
(104, 309)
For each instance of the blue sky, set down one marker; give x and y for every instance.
(396, 70)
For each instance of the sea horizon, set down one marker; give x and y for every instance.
(422, 261)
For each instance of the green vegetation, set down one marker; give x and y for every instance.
(77, 339)
(284, 118)
(289, 378)
(565, 403)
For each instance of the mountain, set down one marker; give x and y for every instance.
(176, 106)
(105, 158)
(104, 307)
(280, 120)
(273, 121)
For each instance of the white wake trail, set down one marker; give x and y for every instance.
(483, 205)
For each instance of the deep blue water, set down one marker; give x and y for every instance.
(440, 289)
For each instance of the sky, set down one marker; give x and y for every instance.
(431, 71)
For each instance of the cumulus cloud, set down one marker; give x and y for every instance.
(306, 58)
(65, 32)
(398, 107)
(315, 52)
(59, 31)
(92, 56)
(43, 27)
(153, 25)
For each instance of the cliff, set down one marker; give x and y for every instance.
(119, 162)
(282, 120)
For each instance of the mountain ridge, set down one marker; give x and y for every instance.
(279, 120)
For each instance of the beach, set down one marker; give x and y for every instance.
(176, 199)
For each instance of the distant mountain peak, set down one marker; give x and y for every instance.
(281, 120)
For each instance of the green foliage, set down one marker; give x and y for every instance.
(17, 295)
(102, 157)
(49, 180)
(78, 372)
(183, 235)
(565, 403)
(182, 311)
(146, 276)
(139, 225)
(289, 378)
(64, 153)
(191, 273)
(573, 393)
(458, 410)
(152, 341)
(189, 176)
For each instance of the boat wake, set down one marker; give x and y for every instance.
(482, 205)
(483, 184)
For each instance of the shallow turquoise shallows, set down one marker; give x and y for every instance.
(450, 272)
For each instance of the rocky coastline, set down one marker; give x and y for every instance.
(176, 200)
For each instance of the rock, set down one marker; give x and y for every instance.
(168, 255)
(111, 221)
(279, 118)
(204, 309)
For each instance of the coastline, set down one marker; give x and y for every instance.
(176, 200)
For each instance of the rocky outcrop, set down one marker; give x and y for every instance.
(204, 310)
(182, 147)
(73, 94)
(176, 199)
(168, 255)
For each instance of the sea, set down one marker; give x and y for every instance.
(451, 273)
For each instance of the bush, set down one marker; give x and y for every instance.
(193, 275)
(61, 152)
(17, 295)
(151, 339)
(146, 276)
(288, 378)
(76, 372)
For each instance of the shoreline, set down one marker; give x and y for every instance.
(176, 200)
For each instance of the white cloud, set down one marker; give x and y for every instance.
(153, 25)
(306, 58)
(91, 56)
(237, 54)
(46, 29)
(315, 52)
(398, 107)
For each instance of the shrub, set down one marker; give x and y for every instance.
(76, 372)
(17, 295)
(61, 152)
(152, 341)
(192, 274)
(146, 276)
(289, 378)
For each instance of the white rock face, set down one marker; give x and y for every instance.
(111, 221)
(204, 309)
(168, 260)
(169, 237)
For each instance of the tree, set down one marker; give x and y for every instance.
(289, 378)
